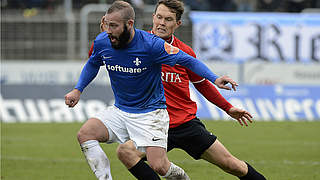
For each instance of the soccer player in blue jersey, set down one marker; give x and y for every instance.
(133, 59)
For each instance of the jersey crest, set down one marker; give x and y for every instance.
(170, 49)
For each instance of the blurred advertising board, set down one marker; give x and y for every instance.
(281, 73)
(44, 72)
(269, 37)
(268, 102)
(34, 92)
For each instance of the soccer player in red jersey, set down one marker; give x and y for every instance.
(186, 131)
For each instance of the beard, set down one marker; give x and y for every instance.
(122, 39)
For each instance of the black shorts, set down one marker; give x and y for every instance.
(192, 137)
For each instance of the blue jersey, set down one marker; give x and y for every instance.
(135, 71)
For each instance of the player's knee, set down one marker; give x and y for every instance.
(80, 136)
(84, 135)
(125, 150)
(93, 129)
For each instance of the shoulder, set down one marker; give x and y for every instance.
(148, 37)
(102, 35)
(101, 39)
(184, 47)
(149, 40)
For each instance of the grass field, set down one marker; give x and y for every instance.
(280, 150)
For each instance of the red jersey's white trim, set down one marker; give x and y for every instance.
(199, 81)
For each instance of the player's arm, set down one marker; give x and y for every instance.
(88, 73)
(210, 92)
(195, 66)
(207, 89)
(165, 53)
(202, 70)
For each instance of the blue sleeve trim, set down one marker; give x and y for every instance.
(89, 72)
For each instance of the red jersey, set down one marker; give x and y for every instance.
(176, 87)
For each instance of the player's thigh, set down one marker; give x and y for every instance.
(113, 119)
(149, 129)
(192, 137)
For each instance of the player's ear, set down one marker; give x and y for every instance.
(179, 23)
(130, 23)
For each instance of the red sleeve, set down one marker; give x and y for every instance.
(210, 92)
(91, 49)
(193, 76)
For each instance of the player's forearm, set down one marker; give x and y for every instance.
(196, 66)
(89, 72)
(210, 92)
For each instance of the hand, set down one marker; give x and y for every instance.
(240, 115)
(222, 81)
(72, 98)
(102, 24)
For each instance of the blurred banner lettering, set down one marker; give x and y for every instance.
(268, 37)
(268, 102)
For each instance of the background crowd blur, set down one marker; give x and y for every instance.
(200, 5)
(38, 29)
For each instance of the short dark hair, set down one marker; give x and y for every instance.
(175, 6)
(126, 8)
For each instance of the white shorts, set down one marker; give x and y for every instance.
(145, 129)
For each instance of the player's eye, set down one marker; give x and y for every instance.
(169, 19)
(112, 26)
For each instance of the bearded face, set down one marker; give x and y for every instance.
(121, 41)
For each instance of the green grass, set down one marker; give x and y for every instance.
(280, 150)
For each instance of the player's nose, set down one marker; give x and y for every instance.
(162, 21)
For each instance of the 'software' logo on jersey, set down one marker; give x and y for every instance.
(170, 49)
(137, 62)
(130, 70)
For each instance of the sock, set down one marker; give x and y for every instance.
(175, 171)
(97, 159)
(252, 174)
(142, 171)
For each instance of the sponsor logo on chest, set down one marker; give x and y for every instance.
(133, 67)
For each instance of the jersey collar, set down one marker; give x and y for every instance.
(169, 40)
